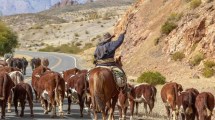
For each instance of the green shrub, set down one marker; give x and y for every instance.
(175, 17)
(197, 59)
(168, 27)
(102, 25)
(8, 39)
(36, 26)
(207, 72)
(195, 3)
(153, 78)
(78, 44)
(209, 63)
(178, 56)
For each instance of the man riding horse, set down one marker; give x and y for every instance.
(104, 56)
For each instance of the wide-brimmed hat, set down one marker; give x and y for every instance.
(107, 36)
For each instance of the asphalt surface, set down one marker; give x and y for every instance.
(58, 62)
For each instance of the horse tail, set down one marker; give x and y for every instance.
(98, 90)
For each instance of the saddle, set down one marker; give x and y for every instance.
(118, 74)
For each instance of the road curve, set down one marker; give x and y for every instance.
(58, 62)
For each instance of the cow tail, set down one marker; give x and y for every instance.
(98, 90)
(189, 109)
(154, 92)
(208, 112)
(30, 94)
(176, 97)
(4, 87)
(56, 88)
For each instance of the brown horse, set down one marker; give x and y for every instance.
(103, 90)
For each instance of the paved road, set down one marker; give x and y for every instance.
(58, 62)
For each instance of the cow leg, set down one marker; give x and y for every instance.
(113, 104)
(30, 102)
(22, 101)
(124, 110)
(61, 105)
(9, 103)
(145, 106)
(53, 102)
(15, 102)
(69, 105)
(168, 111)
(137, 108)
(151, 106)
(36, 95)
(4, 102)
(132, 103)
(120, 111)
(44, 104)
(81, 104)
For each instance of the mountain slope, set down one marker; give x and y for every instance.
(194, 34)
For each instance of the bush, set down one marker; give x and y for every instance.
(168, 27)
(195, 3)
(178, 56)
(175, 17)
(8, 39)
(86, 32)
(209, 63)
(197, 59)
(207, 72)
(76, 35)
(156, 41)
(153, 78)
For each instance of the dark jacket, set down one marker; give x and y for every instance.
(107, 49)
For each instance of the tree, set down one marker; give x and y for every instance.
(8, 39)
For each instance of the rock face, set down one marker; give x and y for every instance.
(64, 3)
(194, 33)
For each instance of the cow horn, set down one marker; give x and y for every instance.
(138, 99)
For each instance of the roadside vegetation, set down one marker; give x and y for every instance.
(154, 78)
(178, 56)
(8, 39)
(67, 48)
(208, 70)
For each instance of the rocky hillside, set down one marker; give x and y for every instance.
(148, 46)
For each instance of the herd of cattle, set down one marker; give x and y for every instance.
(51, 88)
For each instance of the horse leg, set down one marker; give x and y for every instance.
(114, 100)
(94, 108)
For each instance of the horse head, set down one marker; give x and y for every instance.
(119, 61)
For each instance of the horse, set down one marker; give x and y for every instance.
(103, 90)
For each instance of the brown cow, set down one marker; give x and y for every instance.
(186, 104)
(9, 69)
(6, 85)
(76, 86)
(17, 77)
(3, 63)
(21, 91)
(204, 105)
(145, 93)
(169, 95)
(45, 62)
(37, 73)
(51, 88)
(68, 73)
(35, 62)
